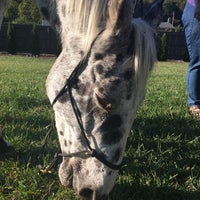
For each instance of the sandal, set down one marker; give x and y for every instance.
(194, 111)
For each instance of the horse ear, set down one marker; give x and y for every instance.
(120, 12)
(154, 14)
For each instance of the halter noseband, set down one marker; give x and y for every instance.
(68, 87)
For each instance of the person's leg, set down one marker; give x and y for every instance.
(192, 33)
(193, 77)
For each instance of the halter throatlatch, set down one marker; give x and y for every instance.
(68, 87)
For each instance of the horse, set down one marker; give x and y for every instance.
(97, 84)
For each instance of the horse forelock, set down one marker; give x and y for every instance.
(86, 18)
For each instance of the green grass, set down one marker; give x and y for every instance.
(162, 159)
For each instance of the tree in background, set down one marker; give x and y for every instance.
(58, 45)
(35, 41)
(174, 11)
(28, 13)
(25, 12)
(11, 13)
(186, 56)
(162, 50)
(11, 43)
(171, 9)
(35, 47)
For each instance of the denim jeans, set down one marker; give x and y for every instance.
(192, 33)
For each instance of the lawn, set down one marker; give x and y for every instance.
(162, 159)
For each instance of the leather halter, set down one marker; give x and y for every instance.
(68, 87)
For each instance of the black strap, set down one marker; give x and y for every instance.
(101, 157)
(68, 87)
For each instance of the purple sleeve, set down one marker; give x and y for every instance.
(191, 2)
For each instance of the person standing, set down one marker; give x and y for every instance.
(191, 23)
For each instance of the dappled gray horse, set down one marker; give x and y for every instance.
(97, 84)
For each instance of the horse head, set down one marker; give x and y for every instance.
(96, 85)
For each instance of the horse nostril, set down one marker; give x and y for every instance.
(86, 193)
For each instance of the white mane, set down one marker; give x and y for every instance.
(144, 56)
(145, 48)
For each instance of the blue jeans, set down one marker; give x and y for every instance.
(192, 33)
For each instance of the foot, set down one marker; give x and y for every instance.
(195, 111)
(4, 146)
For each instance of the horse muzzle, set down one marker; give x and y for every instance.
(90, 179)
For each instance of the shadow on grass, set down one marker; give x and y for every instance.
(158, 149)
(168, 140)
(26, 133)
(163, 125)
(27, 102)
(138, 192)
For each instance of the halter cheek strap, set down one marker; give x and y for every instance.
(68, 87)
